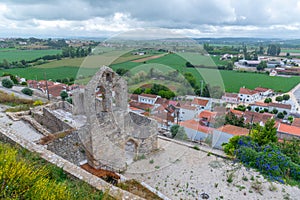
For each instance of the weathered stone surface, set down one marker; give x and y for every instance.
(70, 168)
(112, 136)
(69, 147)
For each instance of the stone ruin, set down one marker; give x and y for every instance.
(112, 136)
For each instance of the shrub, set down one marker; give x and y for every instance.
(7, 83)
(27, 91)
(38, 103)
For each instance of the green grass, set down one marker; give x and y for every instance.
(11, 54)
(34, 73)
(290, 50)
(233, 80)
(71, 62)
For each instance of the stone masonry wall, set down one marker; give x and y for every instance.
(73, 170)
(49, 120)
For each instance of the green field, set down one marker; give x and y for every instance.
(290, 50)
(11, 54)
(232, 80)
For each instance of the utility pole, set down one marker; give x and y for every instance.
(48, 96)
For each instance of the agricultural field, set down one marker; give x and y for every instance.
(290, 51)
(232, 80)
(12, 54)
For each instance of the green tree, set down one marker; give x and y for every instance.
(286, 97)
(268, 100)
(264, 134)
(280, 115)
(229, 66)
(7, 83)
(174, 130)
(63, 95)
(27, 91)
(273, 50)
(261, 66)
(279, 98)
(181, 135)
(188, 64)
(275, 111)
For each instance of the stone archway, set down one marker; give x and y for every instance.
(130, 151)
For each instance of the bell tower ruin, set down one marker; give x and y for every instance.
(111, 135)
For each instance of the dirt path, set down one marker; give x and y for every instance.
(148, 58)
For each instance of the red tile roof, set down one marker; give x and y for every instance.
(260, 89)
(233, 130)
(292, 130)
(207, 114)
(188, 107)
(192, 124)
(256, 117)
(134, 97)
(247, 91)
(280, 105)
(148, 95)
(55, 90)
(162, 101)
(231, 95)
(200, 102)
(261, 104)
(296, 122)
(143, 106)
(237, 112)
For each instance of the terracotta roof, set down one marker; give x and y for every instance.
(292, 130)
(200, 102)
(237, 112)
(280, 105)
(143, 106)
(162, 117)
(188, 107)
(261, 104)
(233, 130)
(207, 114)
(148, 95)
(296, 122)
(256, 117)
(247, 91)
(260, 89)
(174, 103)
(55, 90)
(192, 124)
(162, 101)
(134, 97)
(231, 95)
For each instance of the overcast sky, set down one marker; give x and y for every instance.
(193, 18)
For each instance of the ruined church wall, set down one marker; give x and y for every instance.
(49, 120)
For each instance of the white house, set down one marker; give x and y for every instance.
(224, 133)
(195, 131)
(201, 103)
(148, 98)
(187, 112)
(248, 96)
(231, 98)
(264, 92)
